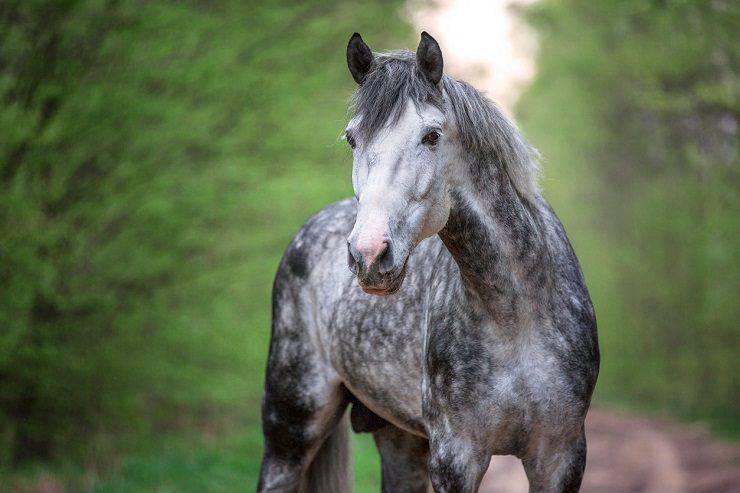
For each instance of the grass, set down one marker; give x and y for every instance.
(230, 467)
(222, 464)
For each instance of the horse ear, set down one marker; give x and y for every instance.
(359, 58)
(429, 58)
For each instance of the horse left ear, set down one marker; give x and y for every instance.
(429, 58)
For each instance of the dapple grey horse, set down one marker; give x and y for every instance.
(462, 328)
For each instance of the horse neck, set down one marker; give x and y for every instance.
(496, 239)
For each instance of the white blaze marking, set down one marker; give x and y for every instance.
(371, 240)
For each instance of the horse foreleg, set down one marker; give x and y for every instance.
(558, 468)
(403, 459)
(302, 405)
(296, 427)
(457, 463)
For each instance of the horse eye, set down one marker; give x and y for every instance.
(431, 138)
(351, 140)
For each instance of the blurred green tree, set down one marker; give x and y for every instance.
(155, 158)
(642, 162)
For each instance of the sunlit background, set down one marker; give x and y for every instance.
(485, 43)
(157, 157)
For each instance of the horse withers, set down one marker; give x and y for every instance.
(462, 328)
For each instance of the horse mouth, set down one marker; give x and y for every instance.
(377, 291)
(389, 284)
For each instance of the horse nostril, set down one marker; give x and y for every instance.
(368, 257)
(381, 253)
(384, 259)
(353, 258)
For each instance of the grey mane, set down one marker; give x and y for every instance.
(485, 132)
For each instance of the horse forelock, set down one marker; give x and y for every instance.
(393, 82)
(486, 134)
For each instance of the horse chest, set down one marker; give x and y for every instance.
(496, 384)
(376, 349)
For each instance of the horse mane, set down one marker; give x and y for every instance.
(486, 134)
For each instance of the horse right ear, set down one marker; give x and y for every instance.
(429, 58)
(359, 58)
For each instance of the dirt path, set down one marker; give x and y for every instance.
(635, 454)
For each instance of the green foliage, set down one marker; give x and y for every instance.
(227, 467)
(642, 166)
(155, 159)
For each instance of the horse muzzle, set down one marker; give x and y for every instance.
(379, 273)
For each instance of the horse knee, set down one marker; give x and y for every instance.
(456, 469)
(294, 425)
(558, 470)
(292, 442)
(287, 437)
(278, 475)
(286, 450)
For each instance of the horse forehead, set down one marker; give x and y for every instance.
(412, 118)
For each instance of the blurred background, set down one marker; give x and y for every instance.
(156, 158)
